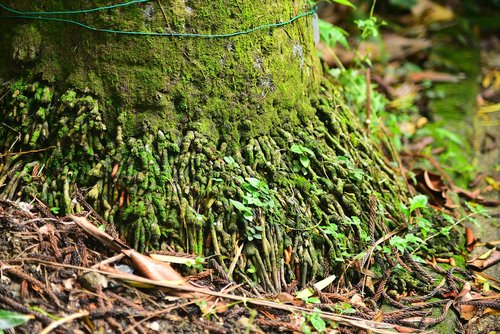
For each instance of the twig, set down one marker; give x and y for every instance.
(64, 320)
(26, 152)
(109, 260)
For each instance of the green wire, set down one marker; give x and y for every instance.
(82, 11)
(142, 33)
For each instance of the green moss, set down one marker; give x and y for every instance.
(166, 112)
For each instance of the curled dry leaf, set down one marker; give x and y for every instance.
(466, 311)
(433, 186)
(486, 260)
(153, 269)
(470, 239)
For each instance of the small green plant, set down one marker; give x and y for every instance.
(344, 308)
(369, 27)
(254, 233)
(303, 162)
(257, 195)
(340, 239)
(55, 210)
(355, 174)
(315, 321)
(409, 242)
(417, 202)
(232, 164)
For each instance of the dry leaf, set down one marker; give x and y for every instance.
(402, 329)
(470, 239)
(433, 186)
(154, 269)
(357, 300)
(466, 311)
(379, 316)
(486, 260)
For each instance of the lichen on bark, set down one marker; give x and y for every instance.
(196, 145)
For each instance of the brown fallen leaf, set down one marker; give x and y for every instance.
(401, 329)
(153, 269)
(470, 239)
(466, 311)
(485, 261)
(433, 186)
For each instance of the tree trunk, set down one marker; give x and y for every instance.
(196, 144)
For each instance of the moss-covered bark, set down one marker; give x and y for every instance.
(197, 144)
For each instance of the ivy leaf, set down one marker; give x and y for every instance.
(419, 201)
(297, 149)
(238, 205)
(248, 215)
(296, 166)
(10, 319)
(304, 161)
(256, 183)
(318, 323)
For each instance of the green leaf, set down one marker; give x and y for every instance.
(256, 183)
(229, 160)
(318, 323)
(304, 161)
(10, 319)
(238, 205)
(304, 294)
(355, 220)
(248, 215)
(297, 149)
(345, 3)
(331, 35)
(296, 166)
(301, 150)
(313, 300)
(419, 201)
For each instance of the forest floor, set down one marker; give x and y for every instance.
(66, 277)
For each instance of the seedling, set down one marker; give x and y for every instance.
(303, 162)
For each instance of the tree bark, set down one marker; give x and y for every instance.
(194, 144)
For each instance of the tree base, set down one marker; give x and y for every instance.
(300, 201)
